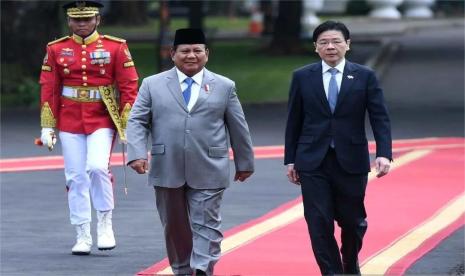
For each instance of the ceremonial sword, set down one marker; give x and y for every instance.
(124, 169)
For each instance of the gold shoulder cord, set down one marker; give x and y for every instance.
(108, 97)
(46, 116)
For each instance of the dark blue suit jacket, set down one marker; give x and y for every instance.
(311, 125)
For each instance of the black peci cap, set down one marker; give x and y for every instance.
(189, 36)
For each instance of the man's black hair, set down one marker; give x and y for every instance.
(331, 25)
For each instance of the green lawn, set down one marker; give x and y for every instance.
(259, 78)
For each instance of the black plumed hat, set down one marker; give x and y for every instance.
(78, 9)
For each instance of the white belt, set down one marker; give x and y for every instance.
(81, 93)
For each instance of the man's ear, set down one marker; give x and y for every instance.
(172, 52)
(97, 19)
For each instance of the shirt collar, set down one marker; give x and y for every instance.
(197, 77)
(88, 40)
(339, 67)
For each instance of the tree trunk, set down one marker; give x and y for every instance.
(287, 29)
(132, 13)
(195, 15)
(266, 6)
(164, 39)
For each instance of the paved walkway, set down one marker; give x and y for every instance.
(425, 92)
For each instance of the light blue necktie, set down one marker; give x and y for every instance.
(187, 92)
(332, 94)
(332, 89)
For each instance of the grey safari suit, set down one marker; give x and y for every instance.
(190, 151)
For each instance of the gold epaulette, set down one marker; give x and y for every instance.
(57, 40)
(114, 38)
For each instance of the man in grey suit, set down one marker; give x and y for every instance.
(189, 112)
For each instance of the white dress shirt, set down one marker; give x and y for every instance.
(195, 88)
(327, 74)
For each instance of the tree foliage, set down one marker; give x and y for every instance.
(26, 28)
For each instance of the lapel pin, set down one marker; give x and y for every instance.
(350, 77)
(207, 88)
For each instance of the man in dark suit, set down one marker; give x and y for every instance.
(326, 149)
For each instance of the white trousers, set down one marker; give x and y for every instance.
(87, 172)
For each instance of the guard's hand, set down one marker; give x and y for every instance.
(292, 174)
(242, 175)
(141, 166)
(48, 137)
(382, 166)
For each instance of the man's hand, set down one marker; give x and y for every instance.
(382, 166)
(48, 137)
(292, 174)
(242, 175)
(141, 166)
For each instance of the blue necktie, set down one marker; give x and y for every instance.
(332, 89)
(332, 94)
(187, 92)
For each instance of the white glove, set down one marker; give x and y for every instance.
(48, 137)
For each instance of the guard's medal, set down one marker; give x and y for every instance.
(100, 57)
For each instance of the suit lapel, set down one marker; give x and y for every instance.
(208, 84)
(348, 78)
(317, 82)
(175, 88)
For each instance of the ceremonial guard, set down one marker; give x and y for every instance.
(88, 85)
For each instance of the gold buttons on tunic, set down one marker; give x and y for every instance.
(84, 46)
(83, 59)
(84, 52)
(84, 84)
(83, 67)
(84, 78)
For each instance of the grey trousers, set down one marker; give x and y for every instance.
(191, 221)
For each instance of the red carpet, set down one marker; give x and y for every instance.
(410, 211)
(397, 205)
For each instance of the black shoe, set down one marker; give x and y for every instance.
(199, 272)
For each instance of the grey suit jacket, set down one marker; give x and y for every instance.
(189, 147)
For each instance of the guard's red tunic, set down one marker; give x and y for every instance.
(82, 65)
